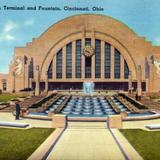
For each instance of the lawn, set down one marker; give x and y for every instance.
(147, 143)
(7, 97)
(19, 144)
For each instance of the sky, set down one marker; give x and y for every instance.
(19, 27)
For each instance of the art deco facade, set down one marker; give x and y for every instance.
(85, 48)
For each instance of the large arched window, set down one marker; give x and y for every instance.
(73, 61)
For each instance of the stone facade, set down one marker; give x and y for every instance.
(115, 121)
(59, 121)
(30, 64)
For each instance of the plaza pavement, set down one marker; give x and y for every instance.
(139, 124)
(8, 117)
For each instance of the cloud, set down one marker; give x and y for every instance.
(8, 31)
(9, 26)
(7, 37)
(157, 40)
(29, 22)
(6, 34)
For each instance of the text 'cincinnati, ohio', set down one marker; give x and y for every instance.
(67, 8)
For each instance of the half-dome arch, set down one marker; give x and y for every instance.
(105, 29)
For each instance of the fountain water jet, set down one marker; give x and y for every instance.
(88, 88)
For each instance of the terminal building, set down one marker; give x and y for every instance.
(85, 48)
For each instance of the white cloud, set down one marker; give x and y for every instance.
(29, 22)
(7, 37)
(6, 34)
(9, 26)
(157, 41)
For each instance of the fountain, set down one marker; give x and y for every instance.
(88, 88)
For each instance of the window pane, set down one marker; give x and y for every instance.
(126, 70)
(59, 64)
(88, 42)
(117, 64)
(31, 70)
(98, 59)
(4, 82)
(50, 70)
(107, 60)
(69, 60)
(88, 65)
(78, 58)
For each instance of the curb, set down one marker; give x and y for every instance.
(44, 149)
